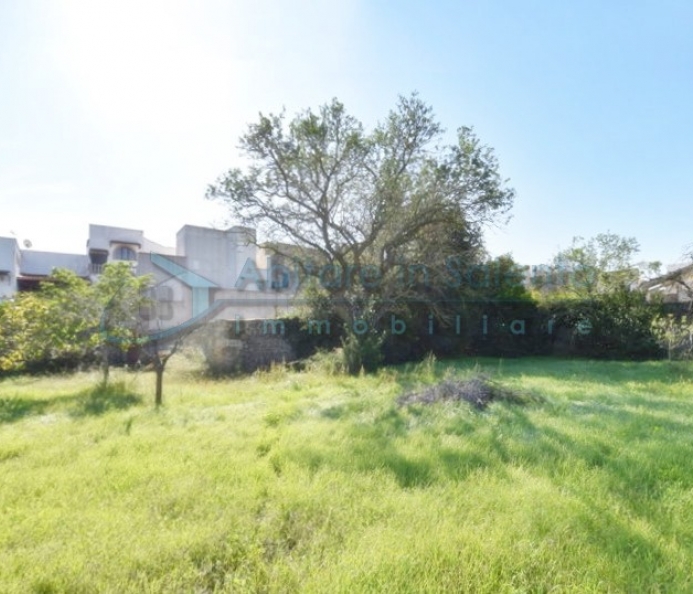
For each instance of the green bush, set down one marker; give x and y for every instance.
(616, 325)
(362, 351)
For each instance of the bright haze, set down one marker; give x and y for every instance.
(121, 113)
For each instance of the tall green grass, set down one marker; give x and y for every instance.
(314, 482)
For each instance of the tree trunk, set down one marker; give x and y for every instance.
(159, 397)
(105, 365)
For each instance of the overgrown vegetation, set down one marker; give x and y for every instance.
(583, 305)
(311, 482)
(69, 323)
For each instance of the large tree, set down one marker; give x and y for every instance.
(361, 208)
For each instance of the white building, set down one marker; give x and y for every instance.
(210, 273)
(10, 263)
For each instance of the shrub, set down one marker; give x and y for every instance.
(615, 325)
(362, 351)
(675, 335)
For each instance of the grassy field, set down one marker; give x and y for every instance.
(307, 482)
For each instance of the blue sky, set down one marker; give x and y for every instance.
(122, 112)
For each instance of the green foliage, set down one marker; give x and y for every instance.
(13, 327)
(586, 296)
(615, 325)
(121, 296)
(366, 205)
(506, 281)
(601, 264)
(52, 327)
(316, 302)
(67, 320)
(362, 352)
(675, 334)
(325, 362)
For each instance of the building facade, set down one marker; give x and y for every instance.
(209, 274)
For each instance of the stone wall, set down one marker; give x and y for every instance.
(243, 346)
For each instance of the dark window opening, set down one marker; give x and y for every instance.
(124, 253)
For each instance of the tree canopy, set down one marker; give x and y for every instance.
(601, 264)
(365, 205)
(68, 321)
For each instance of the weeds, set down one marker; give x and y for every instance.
(320, 482)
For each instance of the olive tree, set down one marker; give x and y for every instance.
(358, 208)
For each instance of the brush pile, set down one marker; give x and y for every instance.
(479, 391)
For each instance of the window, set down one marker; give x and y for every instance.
(124, 253)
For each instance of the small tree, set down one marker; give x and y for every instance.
(591, 289)
(120, 296)
(675, 335)
(68, 321)
(160, 350)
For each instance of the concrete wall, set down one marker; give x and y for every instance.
(217, 255)
(43, 263)
(101, 237)
(253, 304)
(163, 313)
(149, 246)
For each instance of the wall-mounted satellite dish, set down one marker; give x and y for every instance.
(27, 243)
